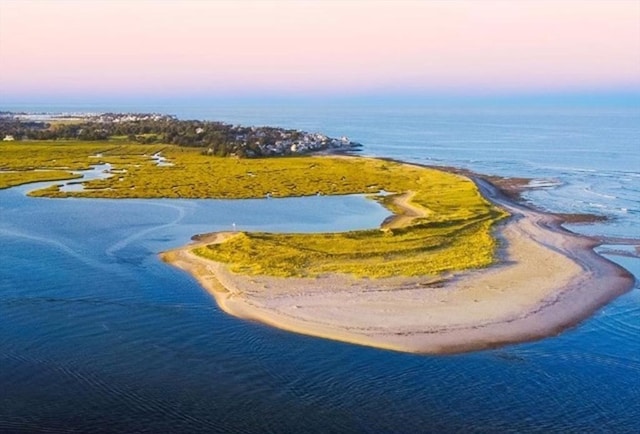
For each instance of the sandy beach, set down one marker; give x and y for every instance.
(547, 279)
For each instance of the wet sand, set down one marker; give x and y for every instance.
(547, 279)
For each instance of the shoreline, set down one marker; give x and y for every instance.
(508, 302)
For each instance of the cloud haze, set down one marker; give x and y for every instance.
(314, 47)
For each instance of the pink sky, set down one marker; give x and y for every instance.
(317, 47)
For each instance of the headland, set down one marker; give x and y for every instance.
(545, 280)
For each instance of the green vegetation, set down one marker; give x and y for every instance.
(26, 161)
(453, 231)
(415, 251)
(69, 154)
(454, 234)
(22, 163)
(11, 179)
(214, 138)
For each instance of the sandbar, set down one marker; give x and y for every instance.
(546, 280)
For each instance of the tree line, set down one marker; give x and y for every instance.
(216, 138)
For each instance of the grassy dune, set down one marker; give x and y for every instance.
(419, 250)
(453, 233)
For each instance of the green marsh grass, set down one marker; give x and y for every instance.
(454, 233)
(13, 178)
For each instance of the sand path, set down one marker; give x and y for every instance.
(406, 213)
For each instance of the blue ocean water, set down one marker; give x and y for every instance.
(98, 335)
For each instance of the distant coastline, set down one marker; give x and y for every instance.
(213, 138)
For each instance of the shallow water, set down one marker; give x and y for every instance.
(98, 335)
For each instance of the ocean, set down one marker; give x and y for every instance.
(98, 335)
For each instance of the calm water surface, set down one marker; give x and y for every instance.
(97, 335)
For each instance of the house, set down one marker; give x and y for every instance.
(8, 138)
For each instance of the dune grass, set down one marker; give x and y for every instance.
(452, 233)
(418, 250)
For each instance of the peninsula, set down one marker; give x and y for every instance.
(545, 280)
(458, 267)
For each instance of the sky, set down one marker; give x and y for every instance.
(117, 49)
